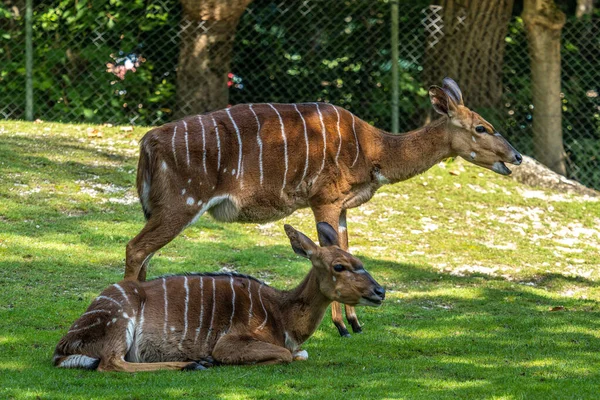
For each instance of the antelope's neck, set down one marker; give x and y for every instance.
(303, 309)
(400, 157)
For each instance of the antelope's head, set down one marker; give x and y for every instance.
(341, 276)
(472, 137)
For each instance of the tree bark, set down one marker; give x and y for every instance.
(543, 24)
(207, 33)
(584, 7)
(466, 43)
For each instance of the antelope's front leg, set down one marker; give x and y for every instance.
(343, 237)
(239, 349)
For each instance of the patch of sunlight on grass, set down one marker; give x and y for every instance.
(455, 293)
(12, 365)
(568, 329)
(446, 384)
(235, 396)
(8, 340)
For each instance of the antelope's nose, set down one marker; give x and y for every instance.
(518, 159)
(380, 291)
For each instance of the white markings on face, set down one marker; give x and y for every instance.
(497, 134)
(187, 146)
(239, 139)
(250, 296)
(260, 144)
(333, 278)
(166, 301)
(232, 302)
(201, 318)
(263, 307)
(163, 165)
(173, 144)
(307, 146)
(218, 143)
(186, 288)
(355, 140)
(473, 155)
(214, 304)
(324, 133)
(285, 149)
(183, 191)
(337, 155)
(120, 289)
(203, 143)
(190, 201)
(474, 140)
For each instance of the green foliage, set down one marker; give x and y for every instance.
(472, 265)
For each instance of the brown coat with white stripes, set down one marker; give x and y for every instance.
(190, 321)
(261, 162)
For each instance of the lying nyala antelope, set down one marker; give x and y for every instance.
(194, 321)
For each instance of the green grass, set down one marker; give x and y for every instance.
(473, 264)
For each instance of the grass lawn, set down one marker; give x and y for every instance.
(492, 287)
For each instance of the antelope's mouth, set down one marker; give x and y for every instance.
(371, 301)
(501, 168)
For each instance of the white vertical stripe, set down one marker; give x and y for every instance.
(285, 151)
(324, 139)
(307, 148)
(187, 146)
(339, 134)
(218, 143)
(164, 285)
(232, 302)
(355, 140)
(239, 139)
(260, 144)
(173, 144)
(203, 143)
(185, 311)
(201, 308)
(250, 296)
(122, 292)
(212, 317)
(263, 307)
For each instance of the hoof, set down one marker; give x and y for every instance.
(301, 355)
(357, 329)
(193, 366)
(343, 332)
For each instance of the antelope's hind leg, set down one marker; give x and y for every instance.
(244, 349)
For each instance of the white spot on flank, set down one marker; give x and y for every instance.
(172, 329)
(239, 138)
(185, 311)
(190, 201)
(260, 145)
(125, 315)
(189, 181)
(218, 143)
(285, 149)
(307, 146)
(187, 147)
(324, 133)
(473, 155)
(356, 141)
(203, 143)
(225, 170)
(339, 134)
(173, 144)
(199, 202)
(163, 165)
(233, 171)
(114, 320)
(183, 191)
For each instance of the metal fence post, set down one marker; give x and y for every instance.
(28, 60)
(395, 76)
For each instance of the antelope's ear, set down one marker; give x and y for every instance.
(441, 102)
(452, 89)
(327, 235)
(301, 244)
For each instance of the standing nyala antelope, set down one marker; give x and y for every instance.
(193, 321)
(261, 162)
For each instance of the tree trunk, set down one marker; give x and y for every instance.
(584, 7)
(466, 43)
(207, 34)
(543, 24)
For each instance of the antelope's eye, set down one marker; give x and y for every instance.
(480, 129)
(338, 268)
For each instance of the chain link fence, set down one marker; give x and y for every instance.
(117, 62)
